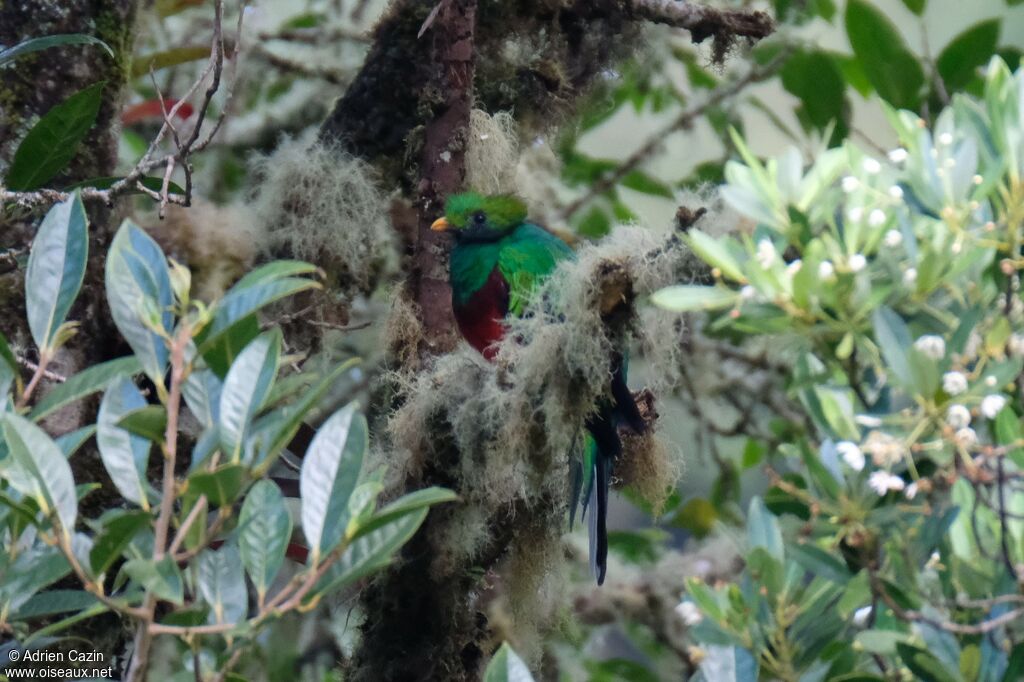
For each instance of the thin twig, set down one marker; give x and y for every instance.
(683, 120)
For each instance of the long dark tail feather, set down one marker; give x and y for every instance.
(601, 483)
(625, 406)
(609, 447)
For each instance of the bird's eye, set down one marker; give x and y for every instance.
(479, 218)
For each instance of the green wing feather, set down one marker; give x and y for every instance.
(527, 256)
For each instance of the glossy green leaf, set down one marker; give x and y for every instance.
(958, 63)
(53, 141)
(36, 467)
(916, 6)
(161, 578)
(125, 455)
(85, 383)
(817, 82)
(56, 268)
(715, 254)
(893, 70)
(265, 526)
(118, 528)
(149, 422)
(139, 293)
(371, 552)
(330, 472)
(246, 387)
(52, 602)
(222, 584)
(729, 664)
(406, 504)
(46, 42)
(763, 529)
(70, 442)
(222, 486)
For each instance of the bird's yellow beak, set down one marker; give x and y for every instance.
(440, 225)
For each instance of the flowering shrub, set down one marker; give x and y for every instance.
(890, 544)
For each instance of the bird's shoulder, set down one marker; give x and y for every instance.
(533, 248)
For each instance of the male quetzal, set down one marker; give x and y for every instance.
(497, 263)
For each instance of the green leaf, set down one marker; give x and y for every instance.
(53, 602)
(118, 528)
(924, 666)
(688, 297)
(889, 65)
(222, 584)
(881, 642)
(139, 293)
(814, 78)
(56, 268)
(371, 551)
(715, 254)
(53, 141)
(161, 578)
(893, 339)
(729, 664)
(71, 441)
(330, 472)
(264, 528)
(86, 382)
(819, 562)
(125, 455)
(246, 387)
(916, 6)
(31, 571)
(149, 422)
(36, 44)
(406, 504)
(36, 467)
(221, 487)
(202, 391)
(763, 529)
(641, 182)
(958, 63)
(506, 666)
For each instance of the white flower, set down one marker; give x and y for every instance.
(966, 437)
(885, 450)
(896, 192)
(898, 155)
(871, 166)
(861, 616)
(794, 267)
(1016, 345)
(855, 214)
(990, 381)
(910, 276)
(857, 262)
(893, 238)
(991, 405)
(689, 613)
(933, 560)
(748, 292)
(826, 269)
(850, 183)
(876, 218)
(766, 253)
(946, 138)
(954, 383)
(931, 346)
(958, 416)
(911, 491)
(851, 454)
(882, 482)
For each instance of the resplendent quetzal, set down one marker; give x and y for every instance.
(498, 261)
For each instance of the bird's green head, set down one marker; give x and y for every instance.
(475, 217)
